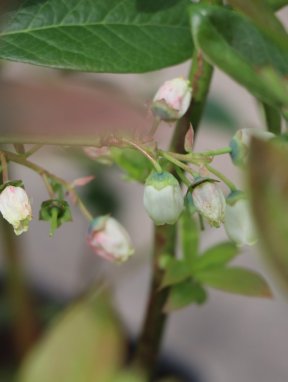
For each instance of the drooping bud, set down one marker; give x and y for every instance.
(172, 99)
(209, 201)
(109, 239)
(240, 143)
(15, 208)
(238, 221)
(163, 199)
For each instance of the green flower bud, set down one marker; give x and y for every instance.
(163, 199)
(209, 201)
(238, 221)
(240, 143)
(172, 99)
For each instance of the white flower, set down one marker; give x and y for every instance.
(15, 208)
(109, 239)
(163, 199)
(209, 200)
(172, 99)
(238, 223)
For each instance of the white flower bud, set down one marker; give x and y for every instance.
(15, 208)
(109, 239)
(210, 202)
(172, 99)
(238, 221)
(240, 143)
(163, 199)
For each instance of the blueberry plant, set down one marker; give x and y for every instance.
(182, 189)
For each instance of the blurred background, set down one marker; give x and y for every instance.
(231, 338)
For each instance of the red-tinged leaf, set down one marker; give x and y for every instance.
(80, 182)
(236, 280)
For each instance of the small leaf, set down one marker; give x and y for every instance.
(85, 344)
(184, 294)
(268, 179)
(98, 36)
(236, 280)
(133, 163)
(217, 256)
(175, 272)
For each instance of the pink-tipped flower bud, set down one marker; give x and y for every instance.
(209, 201)
(163, 199)
(15, 208)
(238, 220)
(240, 143)
(172, 99)
(109, 239)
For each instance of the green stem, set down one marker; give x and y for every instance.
(177, 163)
(222, 177)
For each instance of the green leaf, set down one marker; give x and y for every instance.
(236, 280)
(85, 344)
(189, 236)
(217, 256)
(132, 162)
(268, 179)
(231, 42)
(262, 15)
(183, 294)
(98, 36)
(175, 272)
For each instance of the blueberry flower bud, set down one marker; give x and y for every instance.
(172, 99)
(163, 199)
(15, 208)
(109, 239)
(238, 221)
(209, 201)
(240, 143)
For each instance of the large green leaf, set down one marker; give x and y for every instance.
(235, 280)
(233, 43)
(268, 180)
(86, 344)
(101, 36)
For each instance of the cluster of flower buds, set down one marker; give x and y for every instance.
(109, 239)
(172, 99)
(15, 207)
(163, 199)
